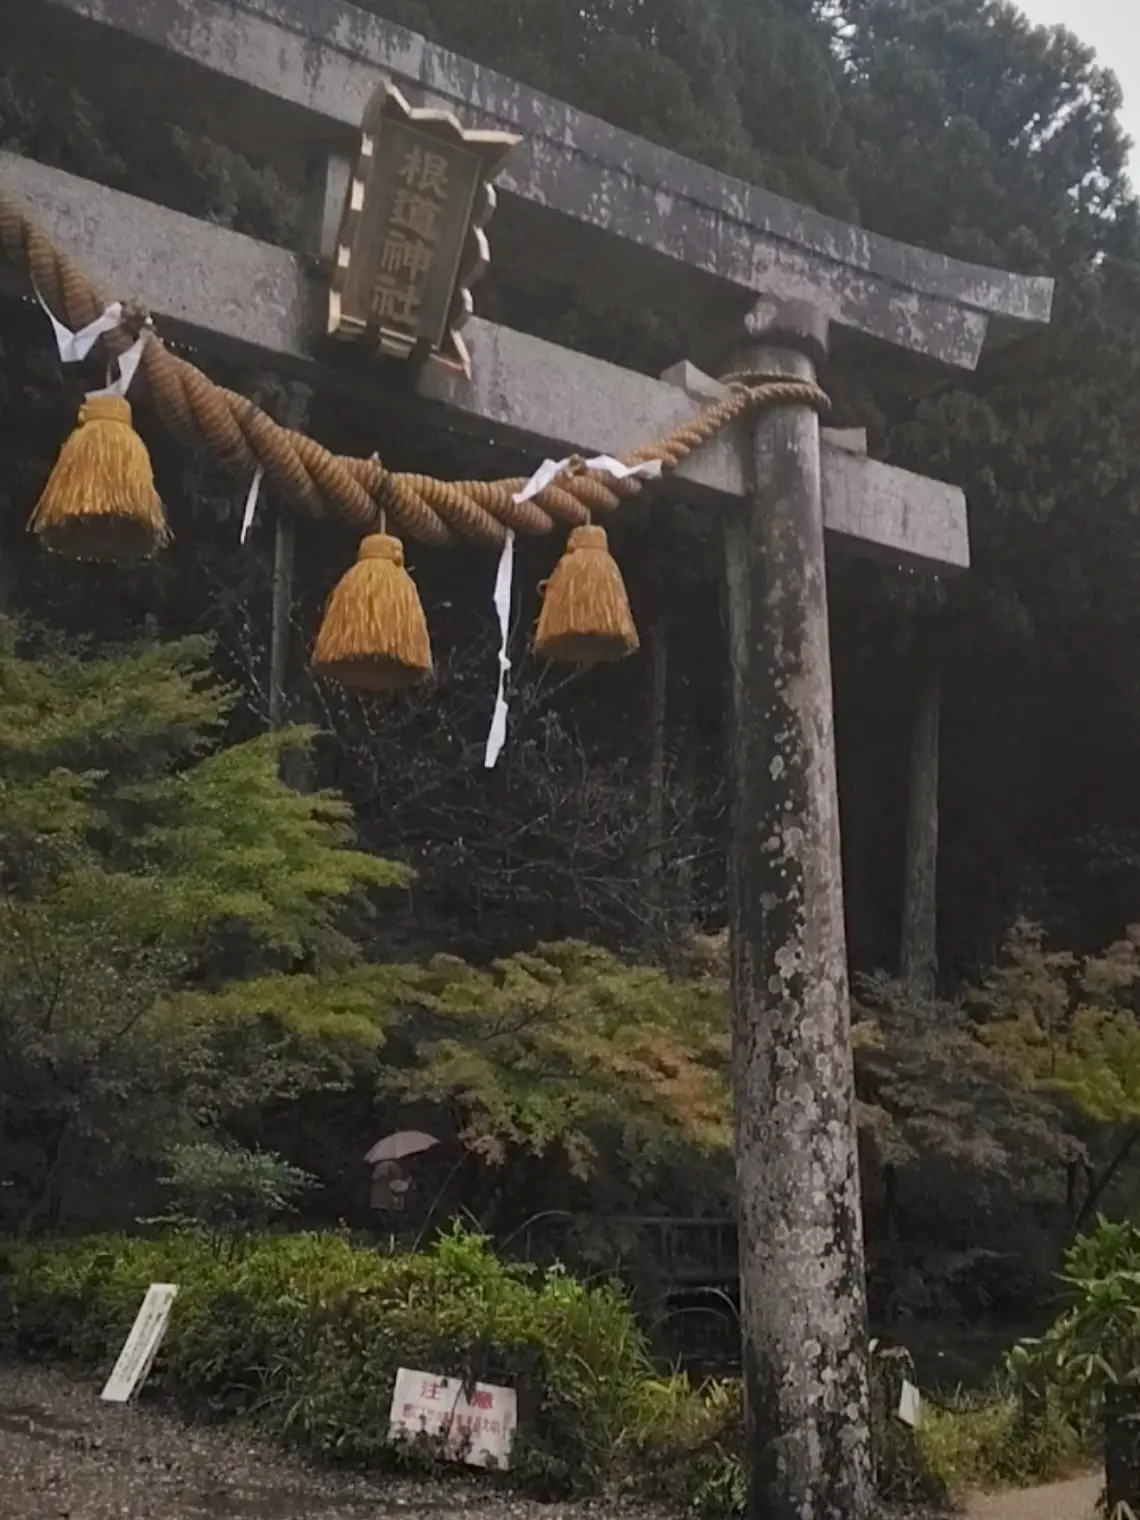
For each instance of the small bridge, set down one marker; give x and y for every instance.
(681, 1254)
(683, 1274)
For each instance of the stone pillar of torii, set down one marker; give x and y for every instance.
(778, 284)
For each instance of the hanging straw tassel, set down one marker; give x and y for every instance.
(100, 501)
(585, 615)
(374, 635)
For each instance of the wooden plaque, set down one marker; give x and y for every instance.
(412, 239)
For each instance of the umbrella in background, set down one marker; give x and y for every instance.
(390, 1183)
(398, 1147)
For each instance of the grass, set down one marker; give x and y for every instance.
(986, 1441)
(307, 1331)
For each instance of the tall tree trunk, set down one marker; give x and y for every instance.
(689, 841)
(858, 823)
(288, 700)
(655, 811)
(283, 554)
(45, 1202)
(918, 957)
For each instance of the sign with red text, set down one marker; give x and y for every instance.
(476, 1426)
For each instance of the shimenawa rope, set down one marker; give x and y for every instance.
(242, 437)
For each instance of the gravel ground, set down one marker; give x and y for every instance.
(65, 1455)
(1075, 1500)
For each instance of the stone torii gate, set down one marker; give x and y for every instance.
(776, 284)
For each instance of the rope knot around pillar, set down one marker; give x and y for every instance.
(778, 390)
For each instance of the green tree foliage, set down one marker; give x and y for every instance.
(227, 1190)
(932, 1089)
(928, 1088)
(560, 1075)
(568, 1052)
(563, 1046)
(149, 875)
(984, 135)
(981, 135)
(173, 952)
(747, 86)
(964, 1164)
(1068, 1022)
(1067, 1025)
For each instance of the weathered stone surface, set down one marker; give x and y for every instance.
(803, 1306)
(294, 75)
(230, 293)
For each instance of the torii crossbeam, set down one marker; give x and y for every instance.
(290, 79)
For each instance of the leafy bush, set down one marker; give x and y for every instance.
(160, 890)
(307, 1331)
(1094, 1343)
(225, 1189)
(689, 1440)
(985, 1440)
(979, 1442)
(990, 1441)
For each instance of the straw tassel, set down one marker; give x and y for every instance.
(374, 635)
(585, 615)
(100, 502)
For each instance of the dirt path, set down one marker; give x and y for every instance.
(64, 1455)
(1075, 1500)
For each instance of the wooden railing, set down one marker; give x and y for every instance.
(685, 1252)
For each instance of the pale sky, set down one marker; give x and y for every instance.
(1113, 28)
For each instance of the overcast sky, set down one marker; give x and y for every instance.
(1113, 28)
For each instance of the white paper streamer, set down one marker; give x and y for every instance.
(550, 470)
(128, 368)
(75, 346)
(541, 478)
(503, 584)
(648, 469)
(547, 472)
(251, 502)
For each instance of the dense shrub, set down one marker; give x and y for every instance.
(990, 1441)
(1094, 1343)
(306, 1332)
(224, 1190)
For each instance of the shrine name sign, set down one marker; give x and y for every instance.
(412, 237)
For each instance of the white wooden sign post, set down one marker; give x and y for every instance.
(910, 1405)
(141, 1348)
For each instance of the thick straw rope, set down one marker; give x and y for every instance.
(242, 437)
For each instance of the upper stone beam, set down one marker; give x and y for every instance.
(280, 77)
